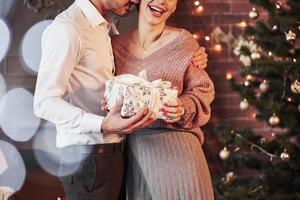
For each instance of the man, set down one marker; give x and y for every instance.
(76, 60)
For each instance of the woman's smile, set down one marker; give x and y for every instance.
(157, 10)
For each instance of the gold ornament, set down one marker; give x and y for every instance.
(295, 87)
(264, 86)
(262, 140)
(290, 36)
(244, 104)
(285, 156)
(253, 14)
(230, 176)
(274, 120)
(255, 55)
(224, 154)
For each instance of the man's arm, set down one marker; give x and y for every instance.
(114, 123)
(61, 47)
(200, 58)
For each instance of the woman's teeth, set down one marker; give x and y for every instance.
(156, 9)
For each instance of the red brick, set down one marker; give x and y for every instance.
(210, 7)
(230, 19)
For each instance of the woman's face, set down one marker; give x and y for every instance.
(157, 11)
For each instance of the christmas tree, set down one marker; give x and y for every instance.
(255, 166)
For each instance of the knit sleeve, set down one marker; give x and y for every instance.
(198, 93)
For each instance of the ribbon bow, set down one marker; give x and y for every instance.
(141, 79)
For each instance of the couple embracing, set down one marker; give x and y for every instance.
(164, 158)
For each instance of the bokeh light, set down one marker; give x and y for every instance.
(31, 46)
(14, 175)
(2, 86)
(3, 162)
(5, 38)
(16, 115)
(48, 155)
(6, 7)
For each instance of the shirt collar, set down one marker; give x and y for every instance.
(91, 13)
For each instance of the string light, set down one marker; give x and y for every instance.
(273, 134)
(196, 3)
(228, 76)
(242, 24)
(217, 47)
(248, 77)
(207, 38)
(199, 9)
(196, 36)
(255, 146)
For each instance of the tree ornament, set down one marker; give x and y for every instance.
(274, 120)
(230, 176)
(253, 14)
(285, 156)
(264, 86)
(255, 55)
(290, 36)
(262, 140)
(244, 104)
(224, 154)
(295, 87)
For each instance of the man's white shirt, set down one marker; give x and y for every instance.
(76, 61)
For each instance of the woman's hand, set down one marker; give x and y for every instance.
(104, 107)
(200, 58)
(173, 111)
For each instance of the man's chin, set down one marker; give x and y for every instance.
(125, 11)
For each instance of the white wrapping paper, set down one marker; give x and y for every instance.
(138, 92)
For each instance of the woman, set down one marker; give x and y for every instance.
(166, 160)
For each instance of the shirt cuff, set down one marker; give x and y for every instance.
(91, 123)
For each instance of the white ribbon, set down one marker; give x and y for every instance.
(141, 79)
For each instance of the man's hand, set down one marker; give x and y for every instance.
(200, 58)
(113, 123)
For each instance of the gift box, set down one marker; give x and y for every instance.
(138, 92)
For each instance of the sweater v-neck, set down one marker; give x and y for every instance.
(154, 56)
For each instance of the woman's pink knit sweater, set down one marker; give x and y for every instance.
(173, 63)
